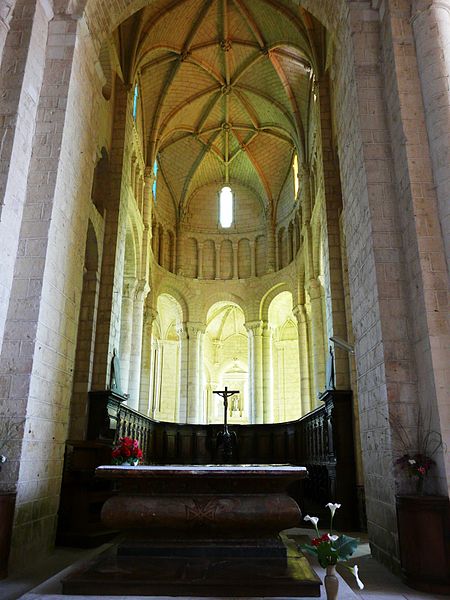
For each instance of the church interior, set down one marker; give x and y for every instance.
(241, 194)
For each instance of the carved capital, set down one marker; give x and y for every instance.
(314, 288)
(421, 7)
(129, 287)
(256, 328)
(142, 290)
(299, 312)
(194, 328)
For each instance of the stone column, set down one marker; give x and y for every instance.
(253, 258)
(217, 259)
(255, 368)
(155, 242)
(147, 209)
(136, 344)
(200, 259)
(126, 329)
(235, 260)
(271, 243)
(305, 193)
(267, 373)
(317, 335)
(184, 364)
(431, 27)
(146, 360)
(305, 387)
(195, 333)
(152, 378)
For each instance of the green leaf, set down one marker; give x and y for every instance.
(308, 548)
(345, 546)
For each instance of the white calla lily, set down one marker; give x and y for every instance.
(333, 538)
(354, 571)
(333, 507)
(314, 520)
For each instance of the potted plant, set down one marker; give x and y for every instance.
(331, 549)
(10, 434)
(127, 452)
(423, 518)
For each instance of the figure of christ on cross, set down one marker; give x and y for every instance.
(226, 440)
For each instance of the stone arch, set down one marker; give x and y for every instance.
(266, 300)
(223, 296)
(84, 355)
(225, 352)
(169, 290)
(102, 19)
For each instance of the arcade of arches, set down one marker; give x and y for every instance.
(121, 123)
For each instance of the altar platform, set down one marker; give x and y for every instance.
(200, 531)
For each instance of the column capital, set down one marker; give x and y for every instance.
(257, 328)
(314, 288)
(150, 314)
(421, 7)
(149, 176)
(129, 287)
(142, 290)
(299, 312)
(194, 328)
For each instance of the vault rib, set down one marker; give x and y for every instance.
(171, 77)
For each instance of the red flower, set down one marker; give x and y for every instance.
(422, 470)
(116, 453)
(139, 453)
(125, 452)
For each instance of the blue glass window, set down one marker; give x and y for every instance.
(135, 101)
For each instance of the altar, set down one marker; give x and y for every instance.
(200, 530)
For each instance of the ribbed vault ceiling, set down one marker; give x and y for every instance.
(225, 89)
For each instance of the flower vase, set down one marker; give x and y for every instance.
(331, 583)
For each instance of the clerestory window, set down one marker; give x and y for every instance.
(135, 101)
(295, 171)
(155, 173)
(226, 207)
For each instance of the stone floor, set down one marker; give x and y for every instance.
(42, 580)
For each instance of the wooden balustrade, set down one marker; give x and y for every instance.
(322, 441)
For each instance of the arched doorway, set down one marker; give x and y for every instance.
(225, 357)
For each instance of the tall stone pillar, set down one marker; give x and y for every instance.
(142, 289)
(126, 329)
(431, 27)
(184, 364)
(195, 410)
(267, 373)
(303, 354)
(317, 334)
(146, 387)
(157, 377)
(271, 245)
(305, 193)
(235, 260)
(200, 259)
(253, 258)
(256, 370)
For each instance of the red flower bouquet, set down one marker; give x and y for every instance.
(127, 452)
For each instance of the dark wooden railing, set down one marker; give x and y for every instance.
(321, 440)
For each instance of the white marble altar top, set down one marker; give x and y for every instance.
(199, 470)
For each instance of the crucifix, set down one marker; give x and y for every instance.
(225, 438)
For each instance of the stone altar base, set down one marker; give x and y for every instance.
(200, 531)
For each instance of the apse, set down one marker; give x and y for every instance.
(225, 362)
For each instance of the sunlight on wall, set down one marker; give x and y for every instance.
(225, 359)
(285, 359)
